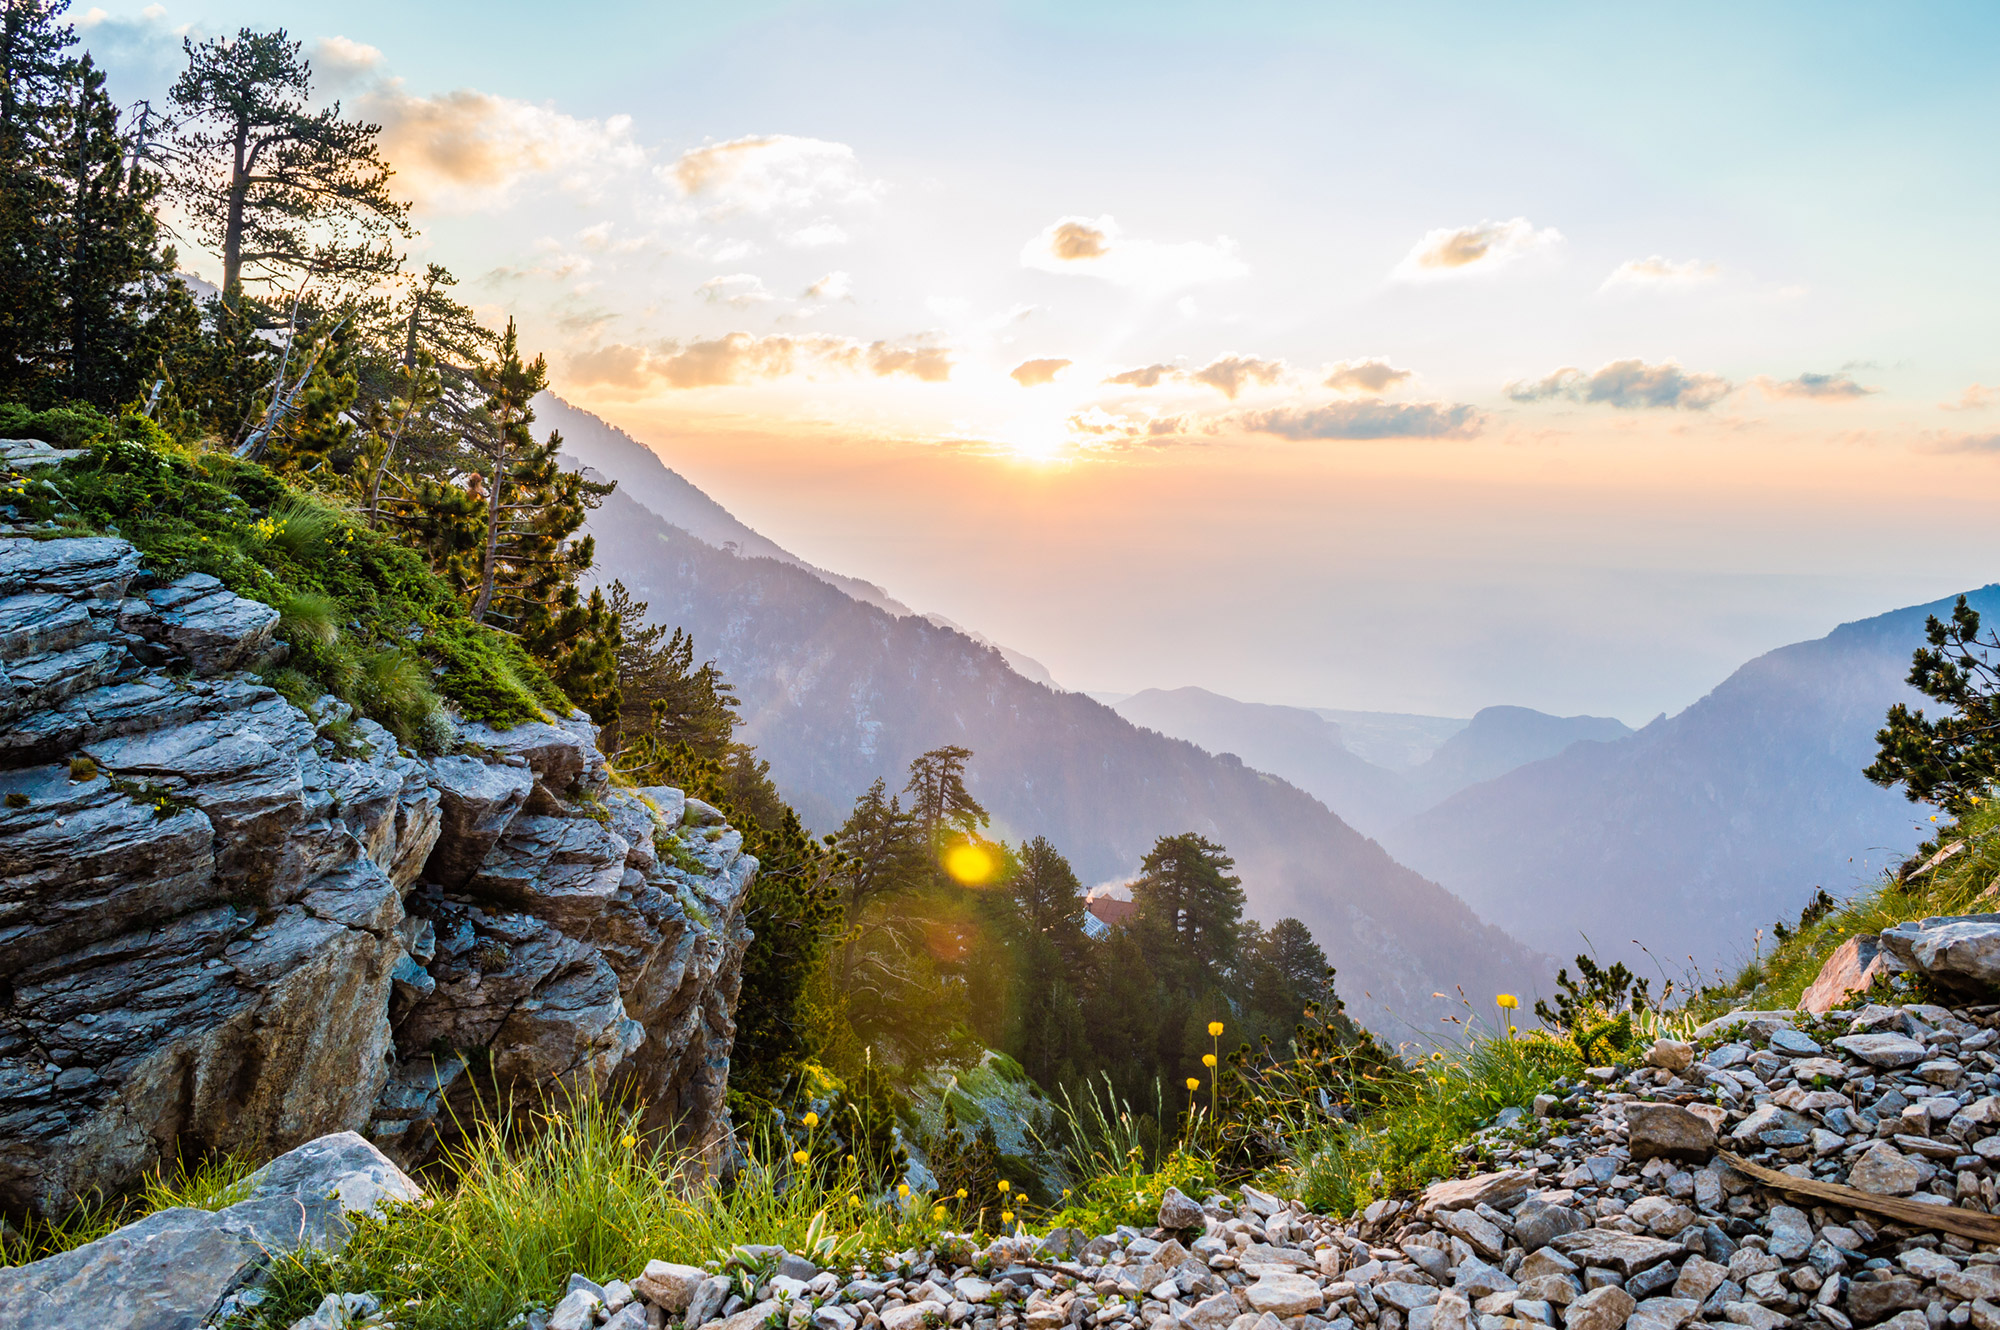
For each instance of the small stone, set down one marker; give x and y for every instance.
(1871, 1300)
(1481, 1234)
(1671, 1054)
(914, 1316)
(1668, 1131)
(670, 1287)
(1886, 1171)
(1662, 1314)
(576, 1311)
(1499, 1190)
(1627, 1253)
(1283, 1295)
(1178, 1212)
(1791, 1232)
(1659, 1216)
(1213, 1313)
(1537, 1223)
(1794, 1044)
(796, 1267)
(1755, 1316)
(1604, 1308)
(1886, 1051)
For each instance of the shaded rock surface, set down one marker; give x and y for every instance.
(229, 925)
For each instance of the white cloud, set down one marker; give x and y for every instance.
(1484, 247)
(1368, 420)
(820, 233)
(339, 62)
(770, 173)
(468, 149)
(1035, 373)
(1657, 273)
(1815, 387)
(739, 290)
(1364, 376)
(834, 286)
(1095, 247)
(1628, 384)
(736, 358)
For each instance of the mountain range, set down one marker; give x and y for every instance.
(838, 689)
(1425, 852)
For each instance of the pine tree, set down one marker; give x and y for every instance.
(510, 385)
(1952, 761)
(663, 693)
(280, 191)
(32, 43)
(1190, 906)
(116, 292)
(939, 801)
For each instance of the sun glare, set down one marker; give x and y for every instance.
(970, 865)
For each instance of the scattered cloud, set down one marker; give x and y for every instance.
(1971, 443)
(740, 290)
(833, 286)
(1975, 398)
(1816, 387)
(1096, 247)
(1368, 420)
(1148, 376)
(1229, 374)
(1364, 376)
(932, 364)
(743, 358)
(1034, 373)
(1628, 384)
(817, 235)
(1451, 251)
(1658, 273)
(341, 62)
(769, 173)
(467, 149)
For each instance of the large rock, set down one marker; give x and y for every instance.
(1852, 969)
(171, 1270)
(1960, 950)
(1627, 1253)
(203, 918)
(1500, 1190)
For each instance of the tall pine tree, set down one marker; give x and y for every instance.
(32, 42)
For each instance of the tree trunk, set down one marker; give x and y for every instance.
(232, 238)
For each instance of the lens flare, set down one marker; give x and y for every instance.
(969, 864)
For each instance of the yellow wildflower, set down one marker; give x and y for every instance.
(903, 1190)
(810, 1119)
(1194, 1082)
(1005, 1185)
(1508, 1001)
(1215, 1029)
(801, 1158)
(629, 1141)
(1208, 1059)
(961, 1193)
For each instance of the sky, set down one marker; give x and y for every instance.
(1411, 358)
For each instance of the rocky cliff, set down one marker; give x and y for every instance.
(231, 925)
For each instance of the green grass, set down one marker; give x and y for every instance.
(1780, 978)
(211, 1184)
(1418, 1132)
(582, 1191)
(363, 615)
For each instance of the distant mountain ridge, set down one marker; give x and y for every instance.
(1311, 750)
(1700, 828)
(838, 691)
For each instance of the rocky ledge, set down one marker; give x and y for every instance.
(231, 926)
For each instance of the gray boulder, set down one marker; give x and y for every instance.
(172, 1269)
(1961, 950)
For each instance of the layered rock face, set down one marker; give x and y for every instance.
(227, 924)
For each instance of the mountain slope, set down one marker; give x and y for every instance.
(1298, 745)
(605, 448)
(1500, 739)
(1699, 829)
(837, 692)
